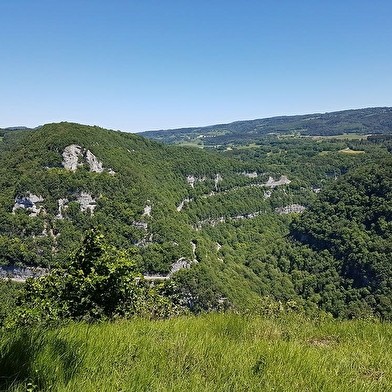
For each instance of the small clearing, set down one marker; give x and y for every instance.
(350, 151)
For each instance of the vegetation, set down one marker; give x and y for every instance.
(350, 224)
(280, 243)
(99, 282)
(9, 291)
(213, 352)
(229, 219)
(360, 121)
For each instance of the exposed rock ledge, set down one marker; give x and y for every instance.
(191, 179)
(291, 209)
(271, 183)
(75, 156)
(181, 263)
(20, 274)
(33, 203)
(86, 202)
(30, 202)
(249, 174)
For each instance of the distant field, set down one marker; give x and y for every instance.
(245, 146)
(191, 144)
(349, 151)
(345, 136)
(214, 352)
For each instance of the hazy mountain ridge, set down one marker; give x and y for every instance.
(362, 121)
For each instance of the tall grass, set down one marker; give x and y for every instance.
(214, 352)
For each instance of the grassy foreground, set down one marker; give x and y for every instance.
(214, 352)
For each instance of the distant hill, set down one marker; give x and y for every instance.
(360, 121)
(15, 128)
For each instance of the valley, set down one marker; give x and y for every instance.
(222, 223)
(128, 263)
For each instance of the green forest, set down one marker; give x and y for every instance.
(292, 229)
(296, 219)
(369, 121)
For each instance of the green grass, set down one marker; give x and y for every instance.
(344, 136)
(215, 352)
(191, 144)
(247, 146)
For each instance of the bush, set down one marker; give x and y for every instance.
(99, 282)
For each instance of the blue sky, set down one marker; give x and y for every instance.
(147, 64)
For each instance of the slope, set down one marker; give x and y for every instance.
(62, 178)
(350, 225)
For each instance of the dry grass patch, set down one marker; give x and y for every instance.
(350, 151)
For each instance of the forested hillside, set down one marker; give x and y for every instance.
(64, 178)
(297, 220)
(350, 224)
(358, 121)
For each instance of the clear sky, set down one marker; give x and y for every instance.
(141, 65)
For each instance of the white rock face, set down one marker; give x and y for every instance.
(147, 210)
(250, 175)
(191, 180)
(291, 209)
(271, 183)
(86, 202)
(179, 264)
(218, 179)
(140, 225)
(95, 165)
(181, 206)
(182, 262)
(75, 156)
(71, 156)
(62, 203)
(194, 252)
(29, 202)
